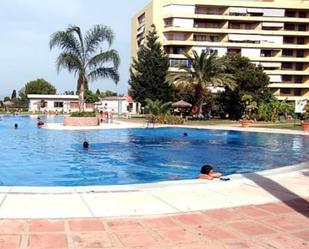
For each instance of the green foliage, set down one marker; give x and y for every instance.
(169, 119)
(22, 100)
(6, 98)
(69, 92)
(90, 97)
(83, 114)
(207, 71)
(98, 92)
(157, 107)
(148, 72)
(250, 80)
(108, 93)
(39, 86)
(80, 55)
(13, 96)
(271, 110)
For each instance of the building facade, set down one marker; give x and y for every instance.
(53, 103)
(118, 105)
(272, 33)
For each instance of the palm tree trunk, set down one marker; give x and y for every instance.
(198, 98)
(81, 82)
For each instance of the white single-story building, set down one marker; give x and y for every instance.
(53, 103)
(120, 105)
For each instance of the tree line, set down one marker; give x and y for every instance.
(150, 79)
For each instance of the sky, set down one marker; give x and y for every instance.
(25, 29)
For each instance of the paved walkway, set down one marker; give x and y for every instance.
(160, 198)
(275, 225)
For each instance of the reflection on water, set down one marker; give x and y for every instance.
(38, 157)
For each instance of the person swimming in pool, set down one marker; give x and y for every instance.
(39, 122)
(208, 173)
(85, 145)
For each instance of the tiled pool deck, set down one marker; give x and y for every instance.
(274, 225)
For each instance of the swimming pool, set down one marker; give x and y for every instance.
(40, 157)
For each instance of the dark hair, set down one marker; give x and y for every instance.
(205, 170)
(16, 125)
(185, 134)
(86, 145)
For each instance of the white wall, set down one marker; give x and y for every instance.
(250, 52)
(183, 22)
(275, 78)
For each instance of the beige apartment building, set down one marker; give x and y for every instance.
(272, 33)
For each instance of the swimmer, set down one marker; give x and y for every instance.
(208, 173)
(85, 145)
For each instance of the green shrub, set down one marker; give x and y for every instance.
(169, 119)
(83, 114)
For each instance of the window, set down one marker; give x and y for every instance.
(58, 104)
(301, 27)
(288, 39)
(297, 92)
(287, 65)
(300, 40)
(179, 63)
(302, 14)
(285, 91)
(214, 38)
(290, 13)
(300, 53)
(287, 52)
(289, 26)
(298, 79)
(213, 51)
(141, 19)
(299, 66)
(266, 53)
(286, 77)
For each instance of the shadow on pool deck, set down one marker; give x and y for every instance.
(297, 203)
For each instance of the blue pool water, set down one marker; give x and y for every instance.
(39, 157)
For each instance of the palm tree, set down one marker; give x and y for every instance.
(207, 71)
(157, 107)
(84, 56)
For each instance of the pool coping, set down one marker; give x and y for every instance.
(154, 199)
(127, 125)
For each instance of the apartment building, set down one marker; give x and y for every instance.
(272, 33)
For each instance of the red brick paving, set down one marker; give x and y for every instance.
(273, 225)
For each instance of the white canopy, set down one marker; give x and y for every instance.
(244, 37)
(238, 10)
(254, 10)
(273, 12)
(272, 24)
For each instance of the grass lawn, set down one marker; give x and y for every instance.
(290, 125)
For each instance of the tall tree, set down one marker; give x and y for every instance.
(13, 96)
(207, 71)
(250, 80)
(39, 86)
(84, 56)
(149, 70)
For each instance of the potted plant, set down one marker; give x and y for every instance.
(305, 122)
(245, 121)
(250, 106)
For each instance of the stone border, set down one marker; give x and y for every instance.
(164, 198)
(128, 125)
